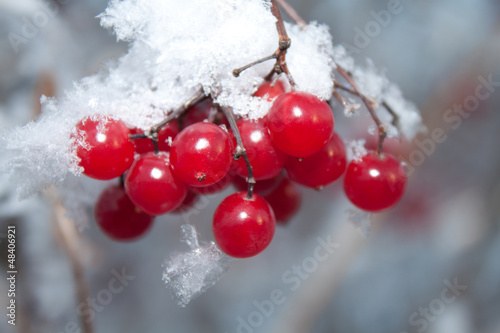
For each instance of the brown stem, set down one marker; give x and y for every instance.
(238, 71)
(280, 55)
(395, 118)
(284, 45)
(292, 13)
(240, 150)
(195, 99)
(153, 132)
(382, 130)
(70, 242)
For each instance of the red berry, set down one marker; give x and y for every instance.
(243, 227)
(266, 160)
(300, 124)
(375, 183)
(261, 187)
(220, 186)
(271, 92)
(201, 154)
(284, 200)
(165, 136)
(152, 186)
(322, 168)
(117, 216)
(103, 147)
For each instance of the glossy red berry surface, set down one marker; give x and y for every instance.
(104, 147)
(152, 186)
(165, 137)
(201, 154)
(284, 200)
(322, 168)
(261, 187)
(266, 159)
(375, 183)
(220, 186)
(243, 227)
(118, 217)
(270, 92)
(300, 124)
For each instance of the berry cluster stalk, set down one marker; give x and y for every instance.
(240, 150)
(280, 67)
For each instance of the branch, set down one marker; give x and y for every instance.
(70, 242)
(395, 118)
(280, 55)
(292, 13)
(153, 132)
(240, 150)
(369, 103)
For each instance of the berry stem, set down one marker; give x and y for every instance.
(395, 118)
(240, 150)
(153, 132)
(195, 99)
(280, 55)
(382, 129)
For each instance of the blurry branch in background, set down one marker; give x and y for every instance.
(69, 237)
(45, 85)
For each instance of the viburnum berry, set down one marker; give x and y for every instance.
(165, 137)
(118, 217)
(322, 168)
(266, 159)
(243, 227)
(104, 147)
(261, 187)
(152, 186)
(201, 154)
(300, 124)
(374, 183)
(284, 200)
(266, 90)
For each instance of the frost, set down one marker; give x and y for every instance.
(374, 84)
(361, 220)
(191, 273)
(355, 149)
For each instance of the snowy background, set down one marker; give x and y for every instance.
(446, 228)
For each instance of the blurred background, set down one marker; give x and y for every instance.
(428, 265)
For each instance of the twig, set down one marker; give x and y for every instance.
(280, 55)
(153, 132)
(240, 150)
(395, 118)
(292, 13)
(70, 242)
(382, 129)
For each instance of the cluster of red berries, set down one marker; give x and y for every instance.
(296, 135)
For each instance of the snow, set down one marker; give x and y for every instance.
(191, 273)
(355, 149)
